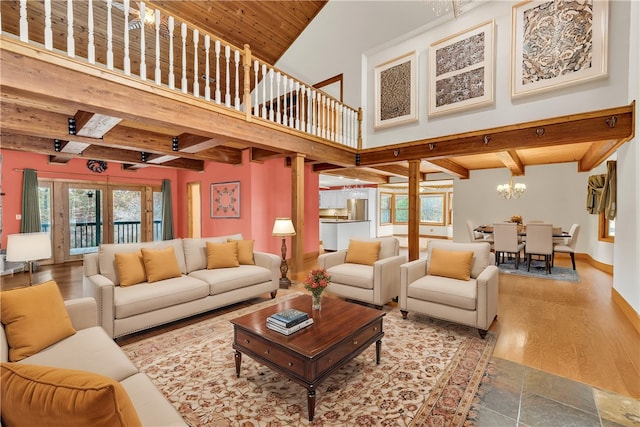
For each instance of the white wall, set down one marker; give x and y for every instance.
(626, 280)
(476, 199)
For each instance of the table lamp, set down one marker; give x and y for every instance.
(28, 247)
(284, 227)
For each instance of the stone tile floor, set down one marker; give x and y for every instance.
(511, 394)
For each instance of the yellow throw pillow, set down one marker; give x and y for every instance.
(362, 252)
(245, 251)
(222, 255)
(453, 264)
(34, 318)
(130, 268)
(42, 395)
(160, 264)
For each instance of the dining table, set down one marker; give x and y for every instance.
(558, 233)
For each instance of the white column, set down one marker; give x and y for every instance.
(91, 47)
(109, 36)
(218, 95)
(207, 86)
(24, 23)
(48, 34)
(127, 59)
(71, 44)
(158, 72)
(227, 89)
(237, 62)
(171, 76)
(196, 85)
(183, 29)
(143, 55)
(256, 68)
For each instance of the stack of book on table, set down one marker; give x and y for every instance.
(288, 321)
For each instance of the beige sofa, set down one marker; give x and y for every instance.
(90, 349)
(472, 302)
(123, 310)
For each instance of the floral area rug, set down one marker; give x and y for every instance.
(537, 270)
(428, 375)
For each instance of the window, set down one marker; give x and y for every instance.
(385, 208)
(606, 228)
(401, 208)
(432, 208)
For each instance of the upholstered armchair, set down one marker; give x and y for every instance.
(368, 271)
(457, 282)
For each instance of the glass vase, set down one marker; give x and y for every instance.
(316, 301)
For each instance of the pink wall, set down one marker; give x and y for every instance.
(265, 194)
(74, 170)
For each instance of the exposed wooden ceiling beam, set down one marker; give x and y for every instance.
(397, 170)
(363, 175)
(572, 129)
(451, 167)
(261, 155)
(598, 153)
(511, 160)
(94, 125)
(19, 142)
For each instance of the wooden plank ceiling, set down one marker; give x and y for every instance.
(35, 113)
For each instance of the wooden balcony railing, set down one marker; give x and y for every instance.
(84, 235)
(153, 46)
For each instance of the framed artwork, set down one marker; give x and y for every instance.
(461, 69)
(395, 91)
(557, 43)
(225, 200)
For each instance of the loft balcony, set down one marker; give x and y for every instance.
(119, 81)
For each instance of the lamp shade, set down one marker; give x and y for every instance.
(283, 227)
(28, 246)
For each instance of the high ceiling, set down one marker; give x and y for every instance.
(269, 28)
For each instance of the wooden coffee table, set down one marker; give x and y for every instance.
(341, 331)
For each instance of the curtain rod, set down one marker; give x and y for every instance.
(91, 175)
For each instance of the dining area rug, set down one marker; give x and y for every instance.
(428, 375)
(538, 271)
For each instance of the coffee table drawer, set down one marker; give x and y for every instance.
(348, 346)
(269, 353)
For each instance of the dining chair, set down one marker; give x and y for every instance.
(505, 241)
(570, 246)
(476, 236)
(539, 242)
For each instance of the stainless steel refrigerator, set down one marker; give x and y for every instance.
(357, 209)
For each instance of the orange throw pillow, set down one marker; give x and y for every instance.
(222, 255)
(453, 264)
(42, 395)
(130, 268)
(360, 252)
(34, 318)
(160, 264)
(245, 251)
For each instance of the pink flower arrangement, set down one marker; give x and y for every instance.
(317, 280)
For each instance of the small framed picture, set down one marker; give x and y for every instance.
(461, 69)
(225, 200)
(395, 91)
(557, 43)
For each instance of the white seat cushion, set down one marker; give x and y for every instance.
(443, 290)
(145, 297)
(89, 350)
(357, 275)
(152, 407)
(221, 280)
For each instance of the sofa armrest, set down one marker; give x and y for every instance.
(409, 273)
(386, 278)
(331, 259)
(270, 262)
(487, 283)
(83, 312)
(101, 289)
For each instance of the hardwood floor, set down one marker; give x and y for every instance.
(569, 329)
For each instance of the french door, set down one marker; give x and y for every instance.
(82, 215)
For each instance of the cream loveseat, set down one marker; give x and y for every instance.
(368, 271)
(457, 282)
(66, 370)
(196, 289)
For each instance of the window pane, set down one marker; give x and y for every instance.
(44, 199)
(401, 208)
(612, 228)
(127, 216)
(157, 215)
(385, 209)
(85, 222)
(432, 208)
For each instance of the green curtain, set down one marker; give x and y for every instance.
(609, 192)
(594, 189)
(30, 206)
(167, 211)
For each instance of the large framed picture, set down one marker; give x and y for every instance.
(461, 70)
(225, 200)
(395, 91)
(557, 43)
